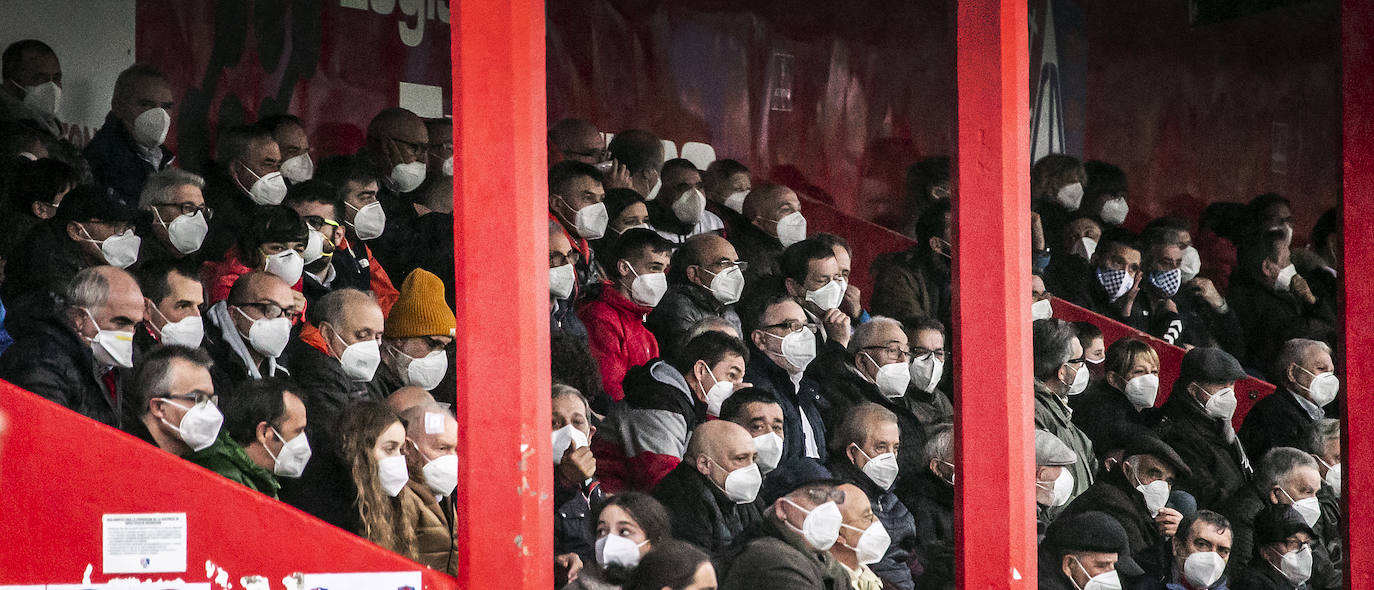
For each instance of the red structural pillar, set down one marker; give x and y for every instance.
(1357, 207)
(994, 500)
(505, 488)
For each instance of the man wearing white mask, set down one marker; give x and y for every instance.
(1201, 550)
(705, 278)
(1104, 196)
(247, 332)
(775, 222)
(419, 330)
(1286, 477)
(1196, 422)
(637, 271)
(1053, 481)
(73, 358)
(246, 175)
(641, 153)
(1307, 383)
(576, 203)
(930, 368)
(172, 297)
(790, 546)
(1060, 371)
(727, 183)
(263, 437)
(294, 145)
(783, 345)
(576, 486)
(563, 281)
(31, 92)
(174, 400)
(759, 413)
(355, 260)
(396, 154)
(680, 212)
(129, 146)
(812, 276)
(177, 220)
(1285, 556)
(862, 540)
(1085, 552)
(432, 460)
(713, 493)
(1274, 303)
(863, 452)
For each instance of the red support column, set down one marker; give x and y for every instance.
(1357, 206)
(505, 489)
(995, 527)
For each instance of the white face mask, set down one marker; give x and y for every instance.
(689, 206)
(1080, 381)
(892, 379)
(406, 177)
(1084, 247)
(653, 191)
(873, 543)
(299, 168)
(716, 396)
(1297, 565)
(1191, 264)
(791, 229)
(1156, 493)
(1310, 509)
(564, 438)
(741, 485)
(268, 337)
(1222, 404)
(1142, 390)
(269, 189)
(1323, 387)
(1070, 196)
(614, 549)
(150, 127)
(314, 247)
(798, 349)
(1203, 569)
(188, 331)
(1042, 310)
(1104, 581)
(926, 372)
(1115, 210)
(186, 232)
(728, 285)
(370, 221)
(295, 453)
(441, 474)
(829, 296)
(119, 250)
(769, 447)
(647, 289)
(881, 469)
(360, 359)
(392, 474)
(199, 425)
(1333, 476)
(447, 167)
(735, 202)
(287, 265)
(821, 527)
(1060, 490)
(111, 348)
(44, 98)
(1285, 278)
(562, 279)
(590, 221)
(425, 372)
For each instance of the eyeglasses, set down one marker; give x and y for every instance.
(190, 209)
(1078, 361)
(794, 326)
(726, 263)
(557, 260)
(919, 352)
(198, 397)
(317, 222)
(271, 311)
(597, 154)
(893, 350)
(415, 148)
(1295, 544)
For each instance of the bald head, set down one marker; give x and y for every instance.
(404, 131)
(771, 202)
(409, 397)
(260, 287)
(577, 139)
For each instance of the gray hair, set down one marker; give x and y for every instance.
(1278, 464)
(855, 427)
(561, 390)
(941, 444)
(1293, 353)
(1053, 347)
(1321, 432)
(864, 333)
(160, 187)
(89, 289)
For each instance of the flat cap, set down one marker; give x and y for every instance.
(1210, 365)
(1151, 445)
(1052, 452)
(1091, 531)
(1276, 522)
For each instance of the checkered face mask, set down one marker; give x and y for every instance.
(1166, 281)
(1116, 282)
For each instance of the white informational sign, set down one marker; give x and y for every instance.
(144, 543)
(361, 581)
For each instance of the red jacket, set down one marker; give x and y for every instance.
(218, 276)
(618, 338)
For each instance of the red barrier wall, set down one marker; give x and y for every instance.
(59, 472)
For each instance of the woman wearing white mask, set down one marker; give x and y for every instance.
(370, 441)
(625, 210)
(1196, 421)
(1056, 192)
(614, 316)
(1060, 373)
(1126, 393)
(628, 526)
(274, 241)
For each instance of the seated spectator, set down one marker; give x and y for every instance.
(1271, 211)
(625, 210)
(1320, 262)
(664, 401)
(246, 175)
(293, 145)
(674, 565)
(432, 461)
(336, 374)
(1274, 303)
(1136, 497)
(576, 489)
(1283, 557)
(788, 547)
(1060, 373)
(1109, 285)
(439, 158)
(1196, 422)
(705, 278)
(175, 403)
(1104, 196)
(247, 333)
(563, 284)
(396, 154)
(274, 241)
(262, 415)
(916, 283)
(370, 442)
(88, 230)
(863, 452)
(758, 413)
(432, 226)
(1081, 236)
(775, 222)
(926, 397)
(408, 397)
(641, 153)
(173, 197)
(33, 91)
(417, 335)
(712, 494)
(1196, 314)
(852, 304)
(863, 540)
(129, 146)
(318, 205)
(33, 194)
(72, 358)
(812, 277)
(1127, 392)
(1304, 374)
(1201, 550)
(576, 203)
(614, 316)
(1286, 477)
(1323, 442)
(727, 184)
(355, 262)
(628, 526)
(1085, 551)
(1056, 192)
(1041, 306)
(1094, 349)
(577, 139)
(172, 297)
(783, 345)
(681, 213)
(932, 508)
(927, 183)
(1053, 481)
(571, 362)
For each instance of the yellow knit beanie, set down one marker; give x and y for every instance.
(421, 310)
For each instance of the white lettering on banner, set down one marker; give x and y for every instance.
(144, 543)
(415, 15)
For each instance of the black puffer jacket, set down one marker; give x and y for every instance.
(681, 307)
(51, 360)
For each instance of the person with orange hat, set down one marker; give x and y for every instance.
(418, 330)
